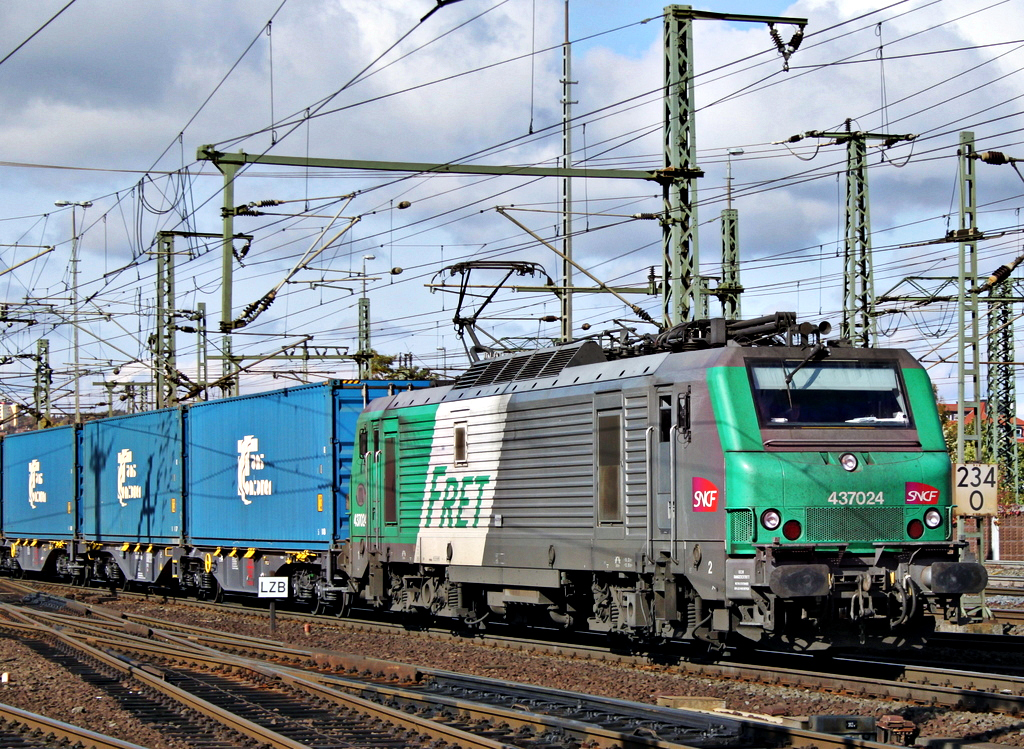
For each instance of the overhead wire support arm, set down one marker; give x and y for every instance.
(230, 164)
(255, 309)
(26, 260)
(220, 159)
(440, 4)
(638, 311)
(226, 381)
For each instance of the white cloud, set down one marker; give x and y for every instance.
(113, 85)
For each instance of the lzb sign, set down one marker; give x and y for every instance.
(273, 587)
(974, 488)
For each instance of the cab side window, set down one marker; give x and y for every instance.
(609, 468)
(461, 446)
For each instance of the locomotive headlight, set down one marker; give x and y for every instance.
(771, 519)
(848, 461)
(933, 518)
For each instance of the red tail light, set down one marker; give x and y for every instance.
(792, 530)
(915, 529)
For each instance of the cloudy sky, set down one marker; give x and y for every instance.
(108, 101)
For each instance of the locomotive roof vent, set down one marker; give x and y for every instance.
(529, 365)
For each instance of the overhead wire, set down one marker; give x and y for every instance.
(35, 33)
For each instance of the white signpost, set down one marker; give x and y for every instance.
(272, 588)
(975, 488)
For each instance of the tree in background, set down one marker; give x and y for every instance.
(382, 367)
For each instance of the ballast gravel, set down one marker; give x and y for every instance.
(48, 689)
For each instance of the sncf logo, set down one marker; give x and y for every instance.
(921, 494)
(705, 495)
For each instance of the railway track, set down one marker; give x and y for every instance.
(208, 700)
(283, 706)
(771, 668)
(913, 684)
(20, 729)
(272, 683)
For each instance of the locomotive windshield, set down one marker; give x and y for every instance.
(829, 393)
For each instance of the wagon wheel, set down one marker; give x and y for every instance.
(344, 604)
(320, 607)
(82, 579)
(118, 581)
(213, 594)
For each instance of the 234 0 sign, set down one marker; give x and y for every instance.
(975, 488)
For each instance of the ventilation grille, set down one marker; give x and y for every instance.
(529, 366)
(842, 524)
(741, 526)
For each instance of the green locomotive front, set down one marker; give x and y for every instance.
(838, 497)
(711, 486)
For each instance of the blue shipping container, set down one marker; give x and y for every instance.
(261, 470)
(271, 470)
(132, 478)
(39, 484)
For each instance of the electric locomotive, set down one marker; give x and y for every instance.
(724, 481)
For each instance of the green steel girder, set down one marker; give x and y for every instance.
(858, 280)
(684, 295)
(859, 322)
(968, 333)
(164, 348)
(680, 257)
(236, 160)
(729, 290)
(1002, 395)
(44, 378)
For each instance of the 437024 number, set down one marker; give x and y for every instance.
(856, 498)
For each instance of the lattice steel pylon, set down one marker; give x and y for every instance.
(685, 294)
(43, 380)
(164, 348)
(858, 326)
(729, 290)
(859, 277)
(679, 233)
(968, 333)
(1002, 389)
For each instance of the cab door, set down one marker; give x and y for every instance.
(668, 441)
(383, 473)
